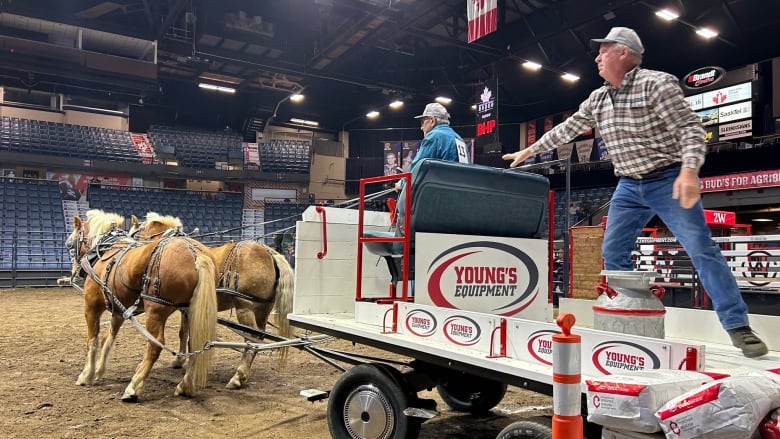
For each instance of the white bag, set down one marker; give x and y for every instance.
(730, 408)
(629, 401)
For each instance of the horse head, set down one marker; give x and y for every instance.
(154, 226)
(87, 233)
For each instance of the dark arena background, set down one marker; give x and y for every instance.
(235, 116)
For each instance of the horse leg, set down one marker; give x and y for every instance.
(92, 312)
(155, 324)
(107, 344)
(245, 317)
(184, 347)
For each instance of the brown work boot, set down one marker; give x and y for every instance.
(745, 339)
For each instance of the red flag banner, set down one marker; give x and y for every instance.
(483, 18)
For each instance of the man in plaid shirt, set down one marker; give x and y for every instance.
(656, 145)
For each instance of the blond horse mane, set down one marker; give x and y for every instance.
(101, 222)
(168, 221)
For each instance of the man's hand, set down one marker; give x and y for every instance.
(518, 157)
(398, 185)
(686, 188)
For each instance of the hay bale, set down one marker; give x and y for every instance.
(586, 260)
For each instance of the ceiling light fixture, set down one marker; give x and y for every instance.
(396, 104)
(530, 65)
(474, 107)
(443, 100)
(568, 77)
(372, 114)
(296, 97)
(667, 15)
(706, 33)
(218, 88)
(311, 123)
(762, 220)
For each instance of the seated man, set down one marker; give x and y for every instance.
(439, 142)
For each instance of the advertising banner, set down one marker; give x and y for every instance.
(500, 276)
(487, 117)
(565, 150)
(390, 154)
(74, 186)
(736, 130)
(143, 147)
(408, 151)
(747, 180)
(251, 156)
(584, 149)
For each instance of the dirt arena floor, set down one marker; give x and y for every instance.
(42, 351)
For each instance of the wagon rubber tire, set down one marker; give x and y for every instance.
(367, 402)
(538, 427)
(469, 393)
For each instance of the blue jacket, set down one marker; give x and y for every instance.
(440, 143)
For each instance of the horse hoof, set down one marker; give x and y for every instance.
(233, 384)
(180, 391)
(129, 398)
(176, 364)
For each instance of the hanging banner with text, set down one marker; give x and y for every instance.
(735, 182)
(564, 151)
(487, 117)
(584, 148)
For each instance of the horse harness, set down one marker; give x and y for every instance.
(106, 243)
(228, 275)
(105, 250)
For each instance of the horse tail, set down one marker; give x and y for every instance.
(284, 297)
(203, 319)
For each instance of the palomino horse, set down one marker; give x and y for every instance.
(128, 277)
(260, 277)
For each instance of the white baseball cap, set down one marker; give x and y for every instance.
(621, 35)
(435, 110)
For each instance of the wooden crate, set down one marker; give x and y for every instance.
(586, 261)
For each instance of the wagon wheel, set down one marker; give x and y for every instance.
(367, 402)
(538, 427)
(470, 393)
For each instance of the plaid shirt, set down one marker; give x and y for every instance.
(646, 124)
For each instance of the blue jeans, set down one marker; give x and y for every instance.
(634, 203)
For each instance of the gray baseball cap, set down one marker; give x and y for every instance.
(435, 110)
(621, 35)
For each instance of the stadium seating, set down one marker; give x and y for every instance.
(66, 140)
(195, 148)
(217, 220)
(32, 226)
(287, 156)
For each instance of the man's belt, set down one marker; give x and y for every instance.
(658, 172)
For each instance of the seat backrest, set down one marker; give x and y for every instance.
(467, 199)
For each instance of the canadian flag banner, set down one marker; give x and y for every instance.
(483, 18)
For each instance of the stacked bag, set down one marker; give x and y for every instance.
(687, 405)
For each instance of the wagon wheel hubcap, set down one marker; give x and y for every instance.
(368, 414)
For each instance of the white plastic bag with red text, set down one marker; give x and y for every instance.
(730, 408)
(629, 401)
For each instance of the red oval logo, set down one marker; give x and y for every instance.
(421, 323)
(703, 77)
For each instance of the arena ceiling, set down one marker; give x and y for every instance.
(351, 56)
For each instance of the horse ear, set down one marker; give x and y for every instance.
(134, 220)
(77, 222)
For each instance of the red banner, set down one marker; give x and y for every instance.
(735, 182)
(530, 128)
(720, 218)
(548, 123)
(483, 18)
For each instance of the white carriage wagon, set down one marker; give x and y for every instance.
(480, 316)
